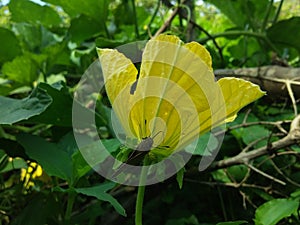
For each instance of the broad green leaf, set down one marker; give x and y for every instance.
(15, 110)
(244, 13)
(99, 192)
(14, 164)
(84, 27)
(102, 42)
(55, 161)
(30, 12)
(57, 54)
(233, 222)
(35, 37)
(270, 213)
(95, 153)
(92, 8)
(11, 48)
(220, 175)
(22, 70)
(296, 194)
(12, 148)
(237, 172)
(61, 100)
(252, 133)
(278, 33)
(124, 14)
(7, 86)
(80, 166)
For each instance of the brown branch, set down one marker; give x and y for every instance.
(293, 137)
(167, 23)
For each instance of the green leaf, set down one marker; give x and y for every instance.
(179, 177)
(102, 42)
(244, 13)
(80, 166)
(11, 48)
(90, 151)
(253, 133)
(84, 27)
(22, 70)
(233, 222)
(92, 8)
(270, 213)
(14, 164)
(61, 99)
(15, 110)
(99, 192)
(278, 33)
(55, 161)
(30, 12)
(238, 172)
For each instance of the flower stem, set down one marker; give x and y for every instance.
(141, 193)
(71, 200)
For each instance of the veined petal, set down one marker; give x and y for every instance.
(190, 85)
(118, 71)
(237, 94)
(201, 52)
(119, 76)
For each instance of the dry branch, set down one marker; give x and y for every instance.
(293, 137)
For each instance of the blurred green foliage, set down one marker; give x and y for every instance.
(44, 51)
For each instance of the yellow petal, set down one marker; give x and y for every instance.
(118, 71)
(201, 51)
(184, 78)
(119, 76)
(237, 94)
(176, 96)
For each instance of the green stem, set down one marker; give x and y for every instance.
(139, 205)
(265, 22)
(71, 200)
(154, 14)
(140, 194)
(277, 12)
(136, 26)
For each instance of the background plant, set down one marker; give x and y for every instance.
(45, 50)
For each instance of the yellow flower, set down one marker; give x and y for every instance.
(32, 172)
(174, 97)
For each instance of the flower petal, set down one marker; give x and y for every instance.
(237, 94)
(119, 76)
(118, 71)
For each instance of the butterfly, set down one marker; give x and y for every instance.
(174, 93)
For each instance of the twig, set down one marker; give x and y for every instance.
(283, 175)
(265, 174)
(233, 185)
(291, 94)
(293, 137)
(167, 23)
